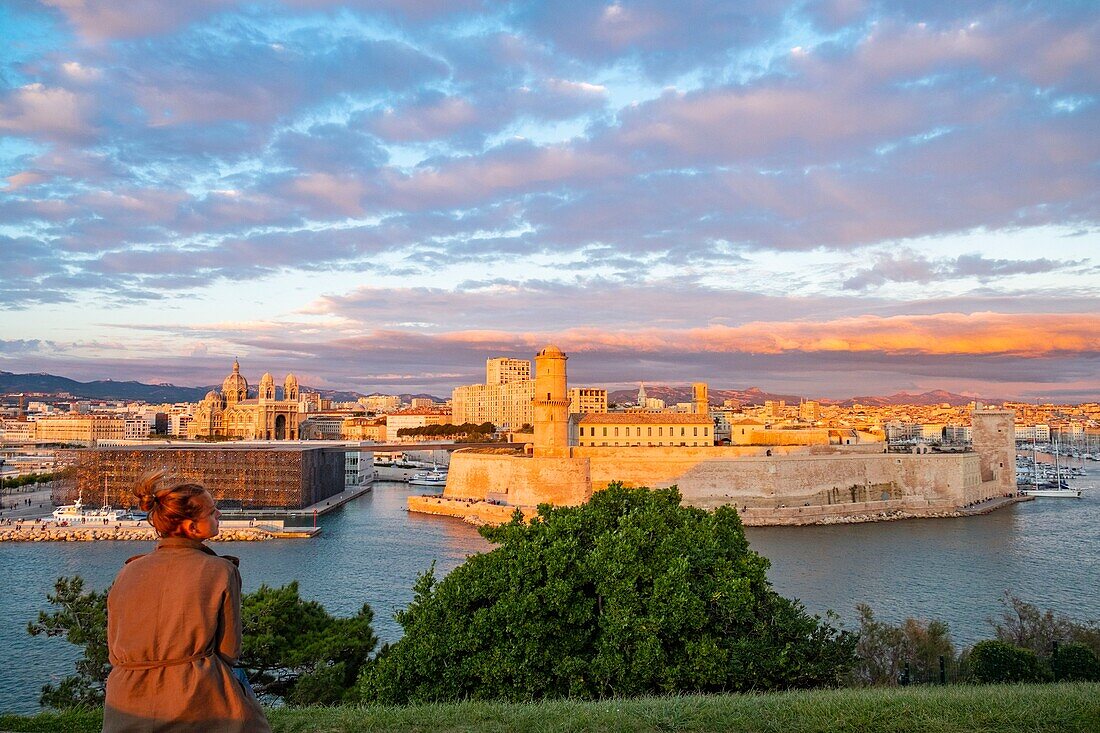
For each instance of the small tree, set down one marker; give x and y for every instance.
(293, 648)
(1024, 625)
(884, 650)
(81, 618)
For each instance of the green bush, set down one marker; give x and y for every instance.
(1075, 663)
(999, 661)
(629, 594)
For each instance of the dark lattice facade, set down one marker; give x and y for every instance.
(246, 477)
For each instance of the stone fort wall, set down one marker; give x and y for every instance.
(796, 479)
(517, 480)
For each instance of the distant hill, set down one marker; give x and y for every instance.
(108, 389)
(935, 397)
(673, 395)
(755, 396)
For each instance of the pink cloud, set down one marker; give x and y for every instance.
(41, 111)
(1022, 335)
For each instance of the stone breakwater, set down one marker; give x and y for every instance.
(41, 533)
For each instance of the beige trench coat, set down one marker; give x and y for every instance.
(174, 632)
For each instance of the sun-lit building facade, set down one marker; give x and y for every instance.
(231, 414)
(649, 429)
(587, 400)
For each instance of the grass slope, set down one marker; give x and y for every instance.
(1070, 708)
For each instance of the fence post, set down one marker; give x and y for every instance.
(943, 670)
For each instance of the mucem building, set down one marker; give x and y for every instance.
(245, 477)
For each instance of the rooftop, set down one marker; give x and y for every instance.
(644, 418)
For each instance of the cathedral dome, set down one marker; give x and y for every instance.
(291, 381)
(267, 379)
(235, 386)
(212, 396)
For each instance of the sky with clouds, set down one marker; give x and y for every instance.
(827, 198)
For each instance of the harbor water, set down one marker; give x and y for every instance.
(371, 551)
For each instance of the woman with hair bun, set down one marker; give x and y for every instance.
(174, 625)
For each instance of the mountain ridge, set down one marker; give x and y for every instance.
(109, 389)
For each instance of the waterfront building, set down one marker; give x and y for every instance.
(178, 423)
(644, 429)
(502, 370)
(19, 431)
(364, 428)
(506, 405)
(418, 403)
(810, 411)
(86, 428)
(415, 418)
(231, 414)
(322, 427)
(381, 403)
(587, 400)
(136, 427)
(266, 476)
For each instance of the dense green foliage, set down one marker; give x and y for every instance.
(1066, 708)
(997, 661)
(629, 594)
(292, 649)
(1075, 662)
(884, 649)
(295, 650)
(16, 482)
(80, 617)
(475, 432)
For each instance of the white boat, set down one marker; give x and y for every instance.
(106, 514)
(77, 514)
(1056, 489)
(434, 477)
(1054, 493)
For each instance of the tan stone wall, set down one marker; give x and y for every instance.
(795, 479)
(852, 478)
(517, 480)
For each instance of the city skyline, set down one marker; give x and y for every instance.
(832, 199)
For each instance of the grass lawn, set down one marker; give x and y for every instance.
(961, 708)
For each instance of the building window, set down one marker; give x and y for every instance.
(695, 432)
(605, 434)
(649, 432)
(616, 432)
(682, 433)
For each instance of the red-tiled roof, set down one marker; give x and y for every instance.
(643, 418)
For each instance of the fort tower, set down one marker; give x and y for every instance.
(551, 404)
(993, 437)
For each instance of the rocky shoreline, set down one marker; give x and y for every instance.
(42, 533)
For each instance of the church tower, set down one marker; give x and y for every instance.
(700, 402)
(551, 404)
(267, 388)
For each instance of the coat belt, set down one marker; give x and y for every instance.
(157, 664)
